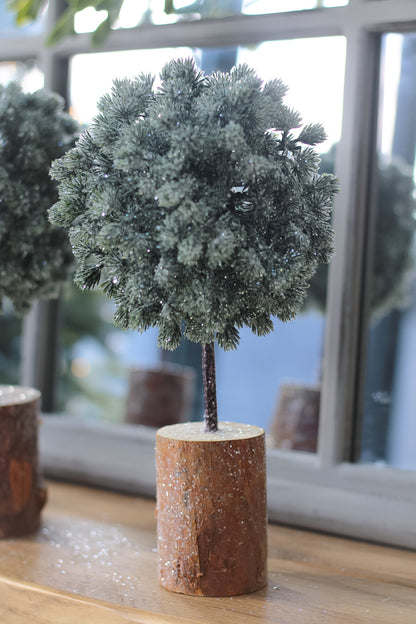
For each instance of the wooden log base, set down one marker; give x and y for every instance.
(211, 509)
(22, 496)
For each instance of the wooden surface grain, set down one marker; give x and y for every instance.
(94, 560)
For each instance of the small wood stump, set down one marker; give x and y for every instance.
(160, 396)
(295, 425)
(22, 496)
(211, 509)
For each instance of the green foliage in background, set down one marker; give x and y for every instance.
(27, 11)
(34, 255)
(196, 206)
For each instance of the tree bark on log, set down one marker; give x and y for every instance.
(22, 495)
(211, 509)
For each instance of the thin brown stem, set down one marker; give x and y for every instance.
(210, 387)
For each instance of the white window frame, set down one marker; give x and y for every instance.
(322, 491)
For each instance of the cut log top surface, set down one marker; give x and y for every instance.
(94, 560)
(195, 431)
(13, 395)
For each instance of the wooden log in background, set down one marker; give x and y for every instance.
(22, 495)
(160, 396)
(295, 424)
(211, 509)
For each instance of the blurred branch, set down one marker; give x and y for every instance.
(27, 11)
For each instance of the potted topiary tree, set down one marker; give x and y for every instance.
(34, 260)
(199, 211)
(35, 256)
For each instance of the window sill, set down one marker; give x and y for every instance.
(363, 502)
(94, 560)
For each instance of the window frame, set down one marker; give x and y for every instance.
(322, 491)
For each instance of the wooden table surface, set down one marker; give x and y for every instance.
(94, 561)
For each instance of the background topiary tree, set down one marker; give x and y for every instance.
(196, 207)
(393, 253)
(34, 255)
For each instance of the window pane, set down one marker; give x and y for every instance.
(10, 344)
(96, 356)
(256, 7)
(274, 381)
(313, 69)
(102, 68)
(388, 432)
(28, 74)
(135, 13)
(278, 374)
(8, 27)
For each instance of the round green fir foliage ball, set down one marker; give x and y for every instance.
(34, 255)
(195, 205)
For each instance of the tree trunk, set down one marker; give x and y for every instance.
(210, 387)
